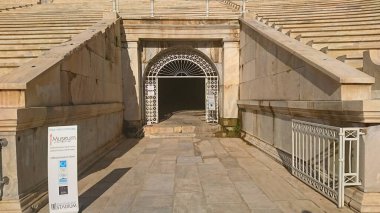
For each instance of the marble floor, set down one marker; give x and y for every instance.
(191, 174)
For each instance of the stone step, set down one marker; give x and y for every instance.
(25, 47)
(34, 41)
(6, 70)
(33, 27)
(157, 131)
(20, 53)
(50, 36)
(51, 23)
(14, 61)
(41, 33)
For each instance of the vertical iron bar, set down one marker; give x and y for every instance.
(334, 165)
(341, 172)
(296, 149)
(323, 158)
(303, 152)
(207, 8)
(315, 156)
(319, 159)
(151, 8)
(114, 5)
(306, 153)
(310, 155)
(357, 156)
(293, 146)
(242, 7)
(350, 157)
(328, 162)
(206, 102)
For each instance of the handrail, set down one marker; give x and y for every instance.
(151, 8)
(207, 5)
(115, 6)
(326, 157)
(242, 7)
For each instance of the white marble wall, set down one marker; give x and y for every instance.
(76, 83)
(277, 86)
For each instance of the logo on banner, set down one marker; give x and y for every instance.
(62, 206)
(61, 139)
(63, 187)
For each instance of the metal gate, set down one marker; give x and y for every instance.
(326, 157)
(181, 63)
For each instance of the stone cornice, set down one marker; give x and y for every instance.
(361, 111)
(26, 118)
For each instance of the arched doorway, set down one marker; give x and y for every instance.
(181, 63)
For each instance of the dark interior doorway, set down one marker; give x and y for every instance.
(177, 94)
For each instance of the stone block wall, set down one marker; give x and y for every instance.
(273, 72)
(277, 73)
(282, 79)
(77, 83)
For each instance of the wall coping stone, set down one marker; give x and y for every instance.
(362, 111)
(334, 68)
(14, 119)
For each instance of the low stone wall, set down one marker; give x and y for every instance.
(76, 83)
(282, 79)
(290, 70)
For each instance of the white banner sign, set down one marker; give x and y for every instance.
(211, 102)
(62, 169)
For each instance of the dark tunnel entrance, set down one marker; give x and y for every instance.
(177, 94)
(180, 79)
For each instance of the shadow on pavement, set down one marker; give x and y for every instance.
(93, 193)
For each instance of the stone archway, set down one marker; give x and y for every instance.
(180, 63)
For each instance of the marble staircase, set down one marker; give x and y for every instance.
(29, 30)
(342, 29)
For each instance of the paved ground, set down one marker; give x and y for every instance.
(194, 175)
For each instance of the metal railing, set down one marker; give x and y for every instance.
(4, 180)
(326, 158)
(115, 6)
(241, 7)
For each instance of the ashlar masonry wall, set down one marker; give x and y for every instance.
(282, 79)
(76, 83)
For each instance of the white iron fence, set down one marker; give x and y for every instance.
(326, 158)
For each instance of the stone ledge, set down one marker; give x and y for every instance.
(21, 119)
(362, 111)
(334, 68)
(362, 201)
